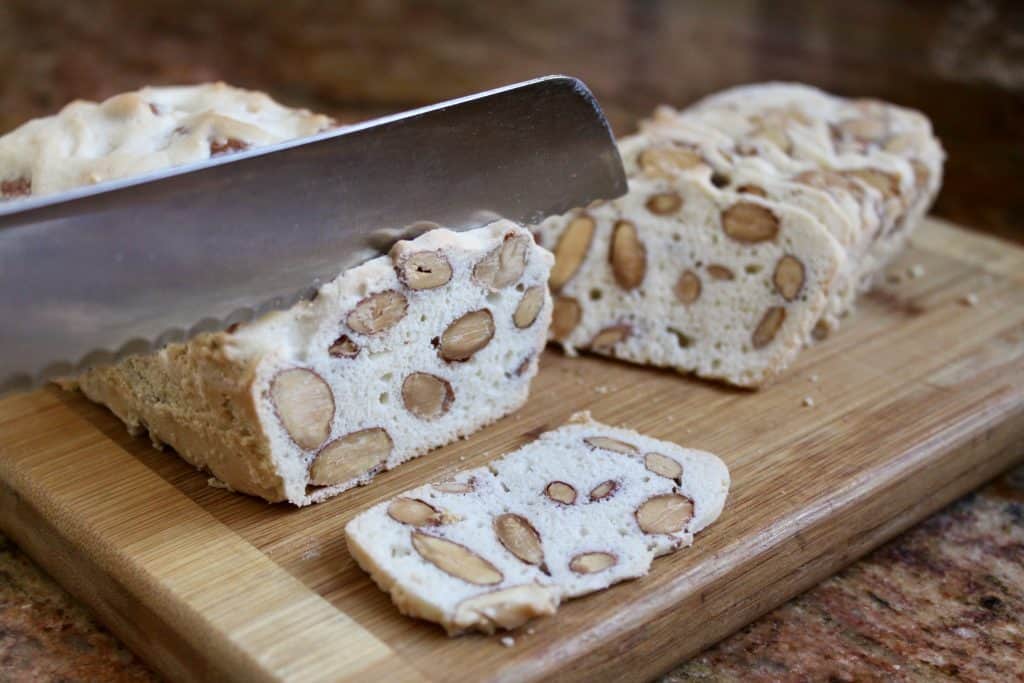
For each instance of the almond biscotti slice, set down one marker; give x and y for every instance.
(680, 274)
(395, 357)
(582, 508)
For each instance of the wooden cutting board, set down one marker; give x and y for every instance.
(917, 400)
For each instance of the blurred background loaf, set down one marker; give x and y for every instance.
(358, 59)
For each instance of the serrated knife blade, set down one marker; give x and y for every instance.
(93, 275)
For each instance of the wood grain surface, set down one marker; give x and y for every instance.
(918, 399)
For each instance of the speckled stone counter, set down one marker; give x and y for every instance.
(945, 601)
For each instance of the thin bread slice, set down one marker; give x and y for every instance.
(583, 507)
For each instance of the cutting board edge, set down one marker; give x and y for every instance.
(108, 598)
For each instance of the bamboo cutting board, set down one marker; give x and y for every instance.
(916, 400)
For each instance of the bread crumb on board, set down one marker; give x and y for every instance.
(915, 271)
(808, 402)
(970, 299)
(508, 641)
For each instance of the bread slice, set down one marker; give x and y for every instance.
(582, 508)
(668, 135)
(681, 274)
(395, 357)
(141, 131)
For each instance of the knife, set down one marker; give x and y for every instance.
(95, 274)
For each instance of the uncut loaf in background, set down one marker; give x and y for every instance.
(397, 356)
(142, 131)
(864, 172)
(583, 507)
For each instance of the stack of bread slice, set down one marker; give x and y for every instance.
(753, 221)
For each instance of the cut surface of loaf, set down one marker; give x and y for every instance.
(397, 356)
(580, 509)
(142, 131)
(681, 274)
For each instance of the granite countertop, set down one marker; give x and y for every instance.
(944, 601)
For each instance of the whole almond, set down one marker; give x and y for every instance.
(378, 312)
(664, 203)
(604, 490)
(571, 249)
(424, 270)
(628, 255)
(529, 307)
(427, 396)
(467, 335)
(788, 277)
(350, 456)
(560, 492)
(519, 537)
(664, 514)
(663, 465)
(304, 404)
(591, 563)
(688, 287)
(750, 223)
(504, 265)
(455, 559)
(768, 327)
(414, 512)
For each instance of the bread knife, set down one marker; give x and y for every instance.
(124, 267)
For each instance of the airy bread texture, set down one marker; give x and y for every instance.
(862, 174)
(395, 357)
(582, 508)
(142, 131)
